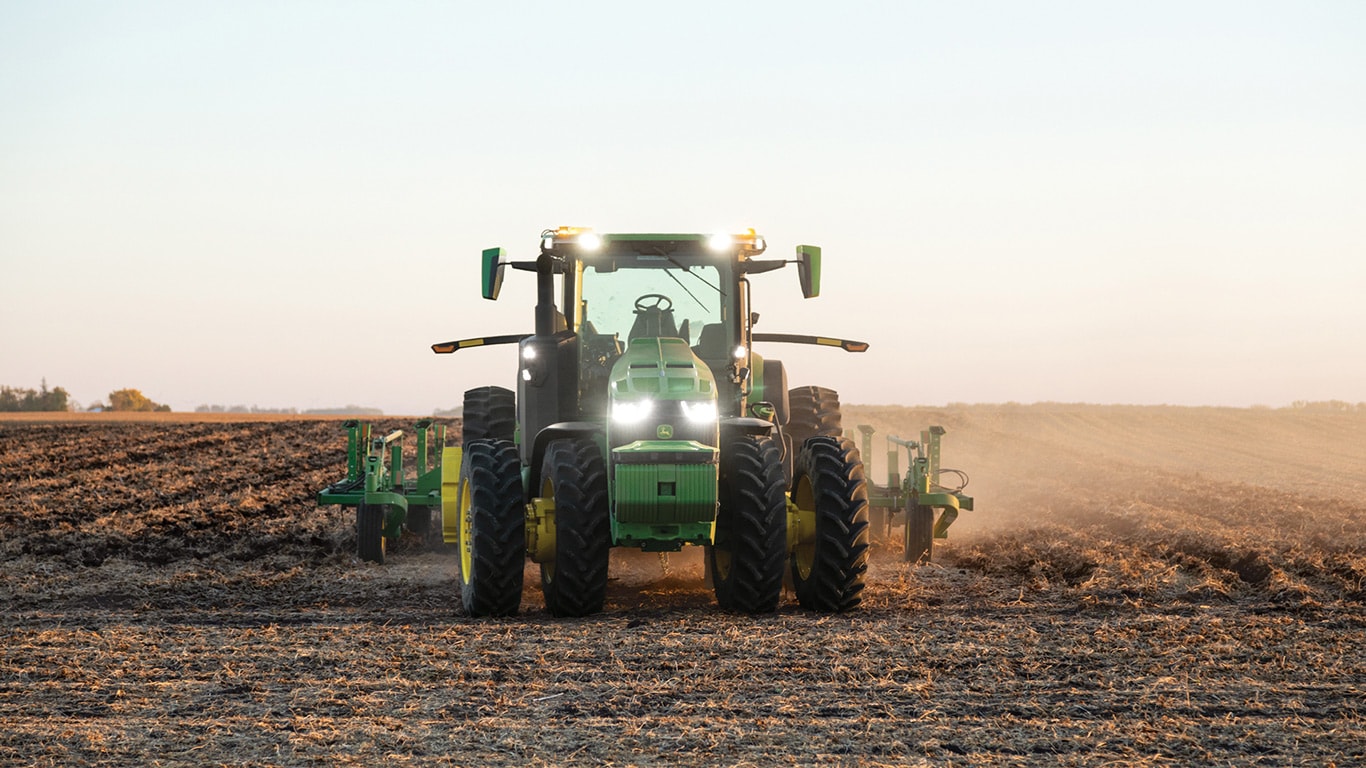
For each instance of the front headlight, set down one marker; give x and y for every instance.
(632, 411)
(700, 411)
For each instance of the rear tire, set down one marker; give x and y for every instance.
(747, 560)
(575, 582)
(370, 532)
(775, 391)
(919, 534)
(830, 563)
(812, 412)
(492, 529)
(489, 413)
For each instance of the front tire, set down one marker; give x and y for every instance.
(747, 559)
(492, 529)
(574, 476)
(831, 557)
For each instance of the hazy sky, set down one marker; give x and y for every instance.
(283, 204)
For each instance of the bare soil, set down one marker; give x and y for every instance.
(1138, 586)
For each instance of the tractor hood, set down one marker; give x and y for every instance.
(663, 369)
(660, 390)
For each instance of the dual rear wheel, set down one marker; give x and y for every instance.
(828, 563)
(493, 528)
(492, 525)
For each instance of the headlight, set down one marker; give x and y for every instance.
(699, 411)
(589, 241)
(632, 412)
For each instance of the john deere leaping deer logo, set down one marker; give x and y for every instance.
(665, 432)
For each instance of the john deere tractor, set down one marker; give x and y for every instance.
(644, 418)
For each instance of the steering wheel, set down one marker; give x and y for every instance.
(661, 302)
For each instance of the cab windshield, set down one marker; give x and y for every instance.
(653, 298)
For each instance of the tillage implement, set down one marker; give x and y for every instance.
(642, 417)
(919, 502)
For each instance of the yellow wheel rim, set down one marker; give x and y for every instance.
(721, 562)
(548, 566)
(805, 551)
(466, 531)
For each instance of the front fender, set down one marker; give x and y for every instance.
(745, 425)
(557, 431)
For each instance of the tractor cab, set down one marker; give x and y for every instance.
(627, 316)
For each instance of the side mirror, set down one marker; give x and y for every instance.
(809, 270)
(492, 279)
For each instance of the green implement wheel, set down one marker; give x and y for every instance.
(370, 532)
(492, 529)
(879, 523)
(919, 534)
(747, 559)
(575, 479)
(830, 556)
(489, 413)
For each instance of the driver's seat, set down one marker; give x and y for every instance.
(653, 323)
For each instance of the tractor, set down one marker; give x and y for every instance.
(644, 418)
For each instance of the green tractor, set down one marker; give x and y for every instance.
(643, 418)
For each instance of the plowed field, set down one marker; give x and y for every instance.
(1138, 586)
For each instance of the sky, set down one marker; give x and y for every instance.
(282, 204)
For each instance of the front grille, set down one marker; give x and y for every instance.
(665, 493)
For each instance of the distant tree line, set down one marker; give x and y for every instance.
(242, 409)
(342, 410)
(130, 400)
(43, 399)
(346, 410)
(1327, 405)
(58, 399)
